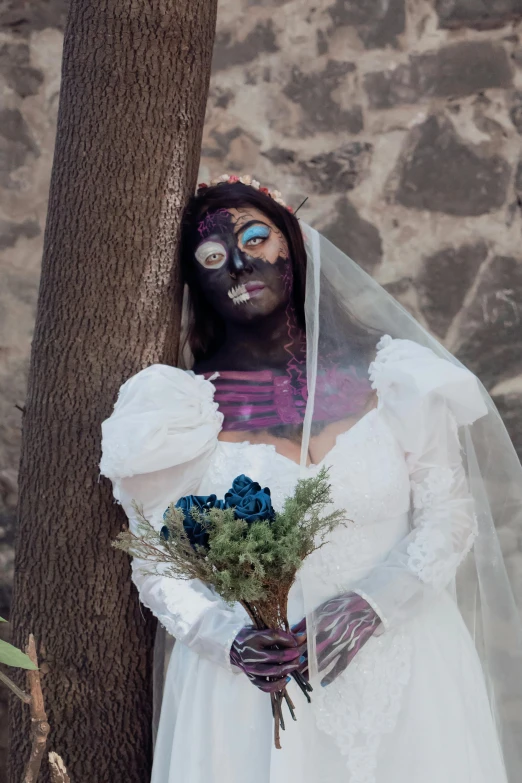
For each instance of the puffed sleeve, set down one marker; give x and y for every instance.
(425, 399)
(156, 446)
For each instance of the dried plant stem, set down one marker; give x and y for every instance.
(276, 712)
(58, 771)
(290, 704)
(277, 698)
(39, 726)
(14, 687)
(304, 685)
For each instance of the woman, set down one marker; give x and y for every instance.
(294, 368)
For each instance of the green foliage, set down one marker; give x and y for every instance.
(244, 562)
(12, 656)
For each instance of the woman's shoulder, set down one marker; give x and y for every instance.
(406, 373)
(161, 384)
(162, 416)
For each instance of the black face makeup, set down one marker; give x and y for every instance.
(243, 264)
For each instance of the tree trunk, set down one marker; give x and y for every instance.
(134, 87)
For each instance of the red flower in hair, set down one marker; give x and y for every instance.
(202, 186)
(233, 178)
(265, 191)
(290, 209)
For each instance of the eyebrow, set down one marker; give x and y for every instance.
(248, 224)
(207, 241)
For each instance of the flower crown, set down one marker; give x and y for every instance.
(245, 179)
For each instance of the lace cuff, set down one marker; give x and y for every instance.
(444, 526)
(441, 543)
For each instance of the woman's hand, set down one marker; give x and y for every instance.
(266, 657)
(342, 626)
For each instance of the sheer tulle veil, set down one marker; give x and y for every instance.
(486, 597)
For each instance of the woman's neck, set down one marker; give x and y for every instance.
(273, 342)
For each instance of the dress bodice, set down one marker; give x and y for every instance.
(369, 479)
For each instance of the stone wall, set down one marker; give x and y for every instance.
(401, 121)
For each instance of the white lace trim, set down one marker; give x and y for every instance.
(376, 608)
(440, 544)
(363, 703)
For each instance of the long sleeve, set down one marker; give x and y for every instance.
(156, 446)
(425, 415)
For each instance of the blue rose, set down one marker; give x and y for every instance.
(196, 532)
(249, 501)
(242, 486)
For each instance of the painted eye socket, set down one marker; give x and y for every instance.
(211, 255)
(255, 235)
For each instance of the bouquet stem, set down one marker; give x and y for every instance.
(278, 719)
(277, 698)
(290, 704)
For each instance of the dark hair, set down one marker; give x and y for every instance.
(206, 329)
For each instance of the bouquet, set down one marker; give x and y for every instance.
(243, 549)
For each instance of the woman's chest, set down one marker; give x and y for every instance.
(369, 480)
(366, 468)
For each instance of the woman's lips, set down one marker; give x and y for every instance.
(244, 292)
(254, 288)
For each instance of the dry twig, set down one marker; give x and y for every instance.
(14, 687)
(58, 771)
(39, 726)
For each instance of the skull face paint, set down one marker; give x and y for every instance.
(243, 264)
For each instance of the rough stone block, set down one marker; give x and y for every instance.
(438, 171)
(377, 23)
(10, 232)
(445, 279)
(313, 92)
(340, 170)
(478, 14)
(491, 341)
(330, 172)
(458, 70)
(29, 15)
(220, 142)
(228, 51)
(509, 407)
(16, 145)
(515, 111)
(386, 89)
(357, 237)
(16, 70)
(518, 182)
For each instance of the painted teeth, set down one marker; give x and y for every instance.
(237, 290)
(239, 294)
(241, 298)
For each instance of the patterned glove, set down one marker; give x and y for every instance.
(266, 657)
(343, 625)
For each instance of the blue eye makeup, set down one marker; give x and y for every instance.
(255, 232)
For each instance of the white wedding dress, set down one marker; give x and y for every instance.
(412, 707)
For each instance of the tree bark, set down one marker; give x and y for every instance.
(134, 87)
